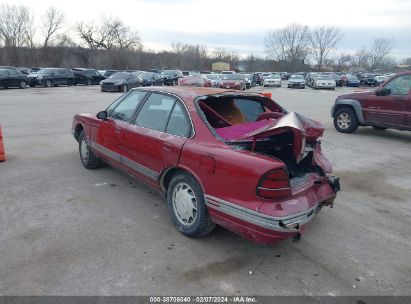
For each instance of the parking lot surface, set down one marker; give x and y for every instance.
(66, 230)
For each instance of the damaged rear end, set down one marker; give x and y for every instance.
(297, 184)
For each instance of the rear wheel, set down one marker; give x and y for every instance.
(89, 82)
(87, 157)
(47, 84)
(124, 88)
(345, 120)
(187, 208)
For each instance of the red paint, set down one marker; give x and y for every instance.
(223, 172)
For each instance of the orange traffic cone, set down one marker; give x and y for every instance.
(266, 94)
(2, 153)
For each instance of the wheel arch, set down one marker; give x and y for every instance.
(167, 175)
(352, 103)
(77, 131)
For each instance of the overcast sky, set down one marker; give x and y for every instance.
(240, 25)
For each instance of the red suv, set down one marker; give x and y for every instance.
(388, 106)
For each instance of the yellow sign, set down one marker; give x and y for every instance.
(220, 66)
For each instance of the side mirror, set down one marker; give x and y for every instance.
(102, 115)
(383, 92)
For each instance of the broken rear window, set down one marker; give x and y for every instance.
(232, 116)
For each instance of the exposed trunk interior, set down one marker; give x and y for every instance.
(234, 118)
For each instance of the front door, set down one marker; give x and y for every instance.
(153, 142)
(390, 109)
(107, 136)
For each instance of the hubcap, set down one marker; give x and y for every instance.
(23, 84)
(185, 204)
(84, 150)
(343, 121)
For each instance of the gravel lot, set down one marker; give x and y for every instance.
(66, 230)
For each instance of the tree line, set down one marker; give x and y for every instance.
(110, 43)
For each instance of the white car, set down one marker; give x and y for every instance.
(272, 80)
(380, 79)
(324, 82)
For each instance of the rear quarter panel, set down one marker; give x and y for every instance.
(235, 174)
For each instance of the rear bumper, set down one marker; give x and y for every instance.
(265, 225)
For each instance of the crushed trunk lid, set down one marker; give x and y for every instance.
(303, 129)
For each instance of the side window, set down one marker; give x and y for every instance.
(400, 85)
(13, 73)
(124, 109)
(155, 111)
(178, 124)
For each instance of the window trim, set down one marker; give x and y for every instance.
(122, 98)
(393, 79)
(185, 117)
(186, 113)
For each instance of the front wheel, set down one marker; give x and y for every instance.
(187, 208)
(22, 84)
(345, 120)
(87, 157)
(124, 88)
(47, 84)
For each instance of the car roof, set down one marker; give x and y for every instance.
(188, 94)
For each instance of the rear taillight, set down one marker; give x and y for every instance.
(274, 184)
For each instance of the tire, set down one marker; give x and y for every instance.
(87, 157)
(124, 88)
(22, 84)
(345, 120)
(185, 193)
(47, 84)
(89, 82)
(379, 128)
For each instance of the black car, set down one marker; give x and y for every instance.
(151, 79)
(48, 77)
(87, 76)
(10, 77)
(108, 73)
(170, 77)
(368, 80)
(120, 82)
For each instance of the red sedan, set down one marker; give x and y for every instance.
(220, 157)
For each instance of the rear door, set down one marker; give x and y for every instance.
(390, 110)
(107, 136)
(153, 142)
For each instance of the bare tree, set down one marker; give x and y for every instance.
(406, 61)
(113, 33)
(379, 52)
(120, 35)
(361, 58)
(179, 49)
(323, 40)
(289, 44)
(53, 21)
(342, 60)
(16, 26)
